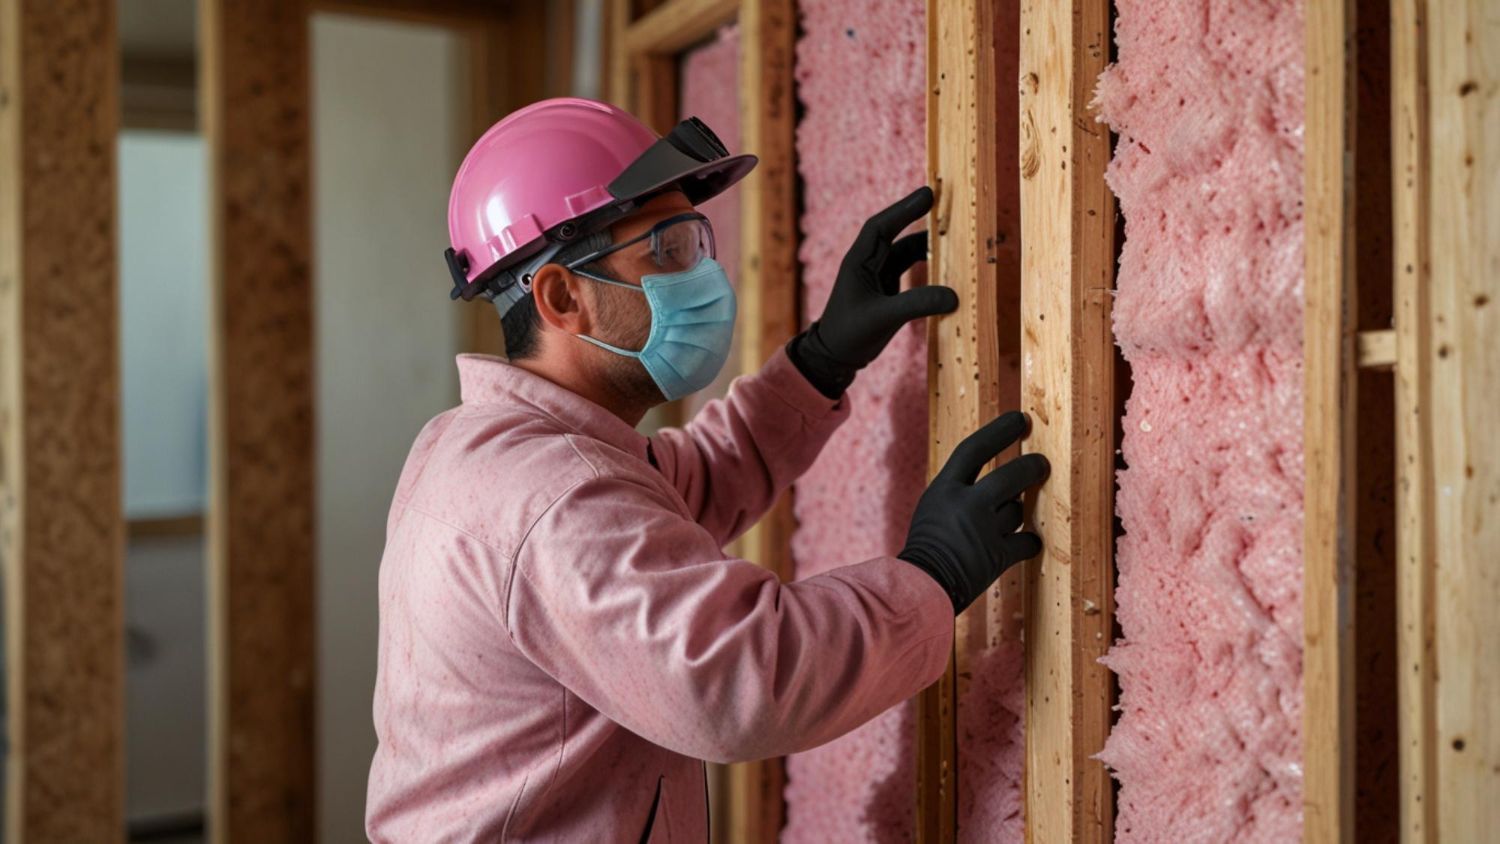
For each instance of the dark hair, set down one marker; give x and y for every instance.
(522, 324)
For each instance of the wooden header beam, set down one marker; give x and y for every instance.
(1067, 247)
(62, 534)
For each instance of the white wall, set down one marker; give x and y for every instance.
(164, 366)
(163, 306)
(384, 118)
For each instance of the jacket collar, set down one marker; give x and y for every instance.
(487, 380)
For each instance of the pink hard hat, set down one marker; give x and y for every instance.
(560, 168)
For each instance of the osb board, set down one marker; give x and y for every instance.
(255, 107)
(60, 507)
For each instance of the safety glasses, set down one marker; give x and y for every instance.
(676, 244)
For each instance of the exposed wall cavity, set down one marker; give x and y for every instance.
(861, 145)
(1208, 100)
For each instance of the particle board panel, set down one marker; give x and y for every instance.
(1330, 428)
(262, 719)
(1462, 390)
(61, 521)
(1067, 249)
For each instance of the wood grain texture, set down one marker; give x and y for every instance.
(1462, 395)
(963, 348)
(1415, 607)
(261, 577)
(61, 524)
(616, 62)
(674, 26)
(769, 284)
(1376, 349)
(1329, 418)
(1067, 248)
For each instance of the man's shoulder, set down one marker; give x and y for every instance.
(492, 473)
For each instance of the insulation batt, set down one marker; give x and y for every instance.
(861, 145)
(710, 77)
(1208, 99)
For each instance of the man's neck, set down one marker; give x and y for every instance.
(600, 391)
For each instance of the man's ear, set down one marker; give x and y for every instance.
(559, 300)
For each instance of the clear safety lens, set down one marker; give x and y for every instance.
(682, 244)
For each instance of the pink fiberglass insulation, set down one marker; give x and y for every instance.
(861, 145)
(1207, 98)
(710, 77)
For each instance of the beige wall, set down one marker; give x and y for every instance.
(385, 110)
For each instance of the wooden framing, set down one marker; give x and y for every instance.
(964, 349)
(61, 525)
(1329, 436)
(1446, 105)
(254, 107)
(1067, 348)
(254, 104)
(641, 61)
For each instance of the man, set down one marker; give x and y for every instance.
(562, 639)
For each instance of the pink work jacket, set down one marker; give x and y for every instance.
(563, 639)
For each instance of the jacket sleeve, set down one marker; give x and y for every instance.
(731, 461)
(635, 609)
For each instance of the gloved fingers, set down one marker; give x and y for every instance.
(1014, 478)
(903, 254)
(889, 222)
(1021, 546)
(1008, 517)
(924, 301)
(981, 447)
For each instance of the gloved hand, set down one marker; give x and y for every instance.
(963, 532)
(866, 308)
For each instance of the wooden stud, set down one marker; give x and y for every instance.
(963, 348)
(616, 63)
(1067, 247)
(677, 25)
(769, 283)
(1417, 678)
(1450, 316)
(261, 576)
(1329, 438)
(61, 521)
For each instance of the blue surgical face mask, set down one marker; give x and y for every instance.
(692, 323)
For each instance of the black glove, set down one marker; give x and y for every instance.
(963, 533)
(866, 308)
